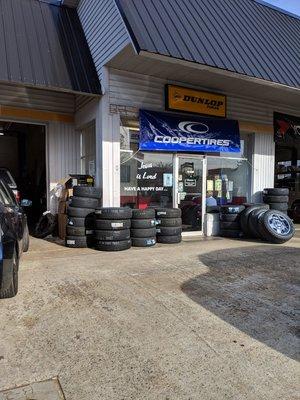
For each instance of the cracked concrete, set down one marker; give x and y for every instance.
(206, 319)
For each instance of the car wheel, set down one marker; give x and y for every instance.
(276, 227)
(246, 214)
(26, 239)
(12, 290)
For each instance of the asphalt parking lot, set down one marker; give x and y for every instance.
(206, 319)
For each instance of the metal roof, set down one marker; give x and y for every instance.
(240, 36)
(44, 45)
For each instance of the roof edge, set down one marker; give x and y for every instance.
(130, 32)
(281, 10)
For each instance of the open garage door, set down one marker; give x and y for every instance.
(23, 154)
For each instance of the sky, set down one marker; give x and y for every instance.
(292, 6)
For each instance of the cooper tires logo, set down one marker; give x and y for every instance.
(193, 127)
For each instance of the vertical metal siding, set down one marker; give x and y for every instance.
(63, 143)
(104, 29)
(25, 97)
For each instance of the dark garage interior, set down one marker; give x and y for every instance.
(23, 153)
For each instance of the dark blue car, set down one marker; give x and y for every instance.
(14, 239)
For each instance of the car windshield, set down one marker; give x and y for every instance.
(6, 177)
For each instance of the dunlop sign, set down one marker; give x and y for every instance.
(195, 101)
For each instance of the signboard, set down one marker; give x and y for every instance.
(177, 133)
(286, 127)
(195, 101)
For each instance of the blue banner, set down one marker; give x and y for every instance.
(167, 132)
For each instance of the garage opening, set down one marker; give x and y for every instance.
(23, 155)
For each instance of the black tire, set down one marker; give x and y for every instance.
(231, 234)
(113, 213)
(12, 290)
(244, 217)
(168, 213)
(143, 233)
(45, 226)
(87, 191)
(229, 217)
(143, 242)
(276, 192)
(80, 212)
(231, 209)
(279, 206)
(254, 216)
(76, 231)
(169, 239)
(169, 222)
(112, 245)
(148, 213)
(112, 224)
(271, 234)
(275, 199)
(234, 225)
(109, 235)
(26, 239)
(87, 222)
(76, 241)
(247, 205)
(168, 231)
(143, 223)
(84, 202)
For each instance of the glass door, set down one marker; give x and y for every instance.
(190, 184)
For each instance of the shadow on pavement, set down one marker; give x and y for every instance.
(254, 289)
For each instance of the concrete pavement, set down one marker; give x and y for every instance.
(206, 319)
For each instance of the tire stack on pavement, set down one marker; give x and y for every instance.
(277, 199)
(112, 228)
(143, 228)
(248, 218)
(80, 215)
(230, 225)
(169, 225)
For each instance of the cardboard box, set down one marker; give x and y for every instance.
(62, 225)
(62, 207)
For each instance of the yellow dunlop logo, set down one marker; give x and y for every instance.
(195, 101)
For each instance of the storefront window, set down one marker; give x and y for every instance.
(146, 178)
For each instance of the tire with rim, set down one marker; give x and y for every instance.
(234, 225)
(231, 209)
(112, 245)
(169, 239)
(253, 222)
(112, 236)
(168, 231)
(76, 241)
(279, 206)
(168, 213)
(26, 239)
(170, 222)
(234, 234)
(143, 223)
(12, 290)
(80, 212)
(229, 217)
(276, 227)
(112, 224)
(84, 202)
(143, 233)
(143, 242)
(45, 226)
(148, 213)
(244, 217)
(87, 191)
(276, 192)
(275, 199)
(113, 213)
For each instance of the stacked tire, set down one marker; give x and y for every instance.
(169, 225)
(80, 216)
(112, 228)
(230, 226)
(248, 219)
(277, 199)
(143, 228)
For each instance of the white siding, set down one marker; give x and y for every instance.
(104, 30)
(25, 97)
(63, 143)
(137, 91)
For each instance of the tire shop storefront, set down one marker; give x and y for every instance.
(46, 76)
(231, 75)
